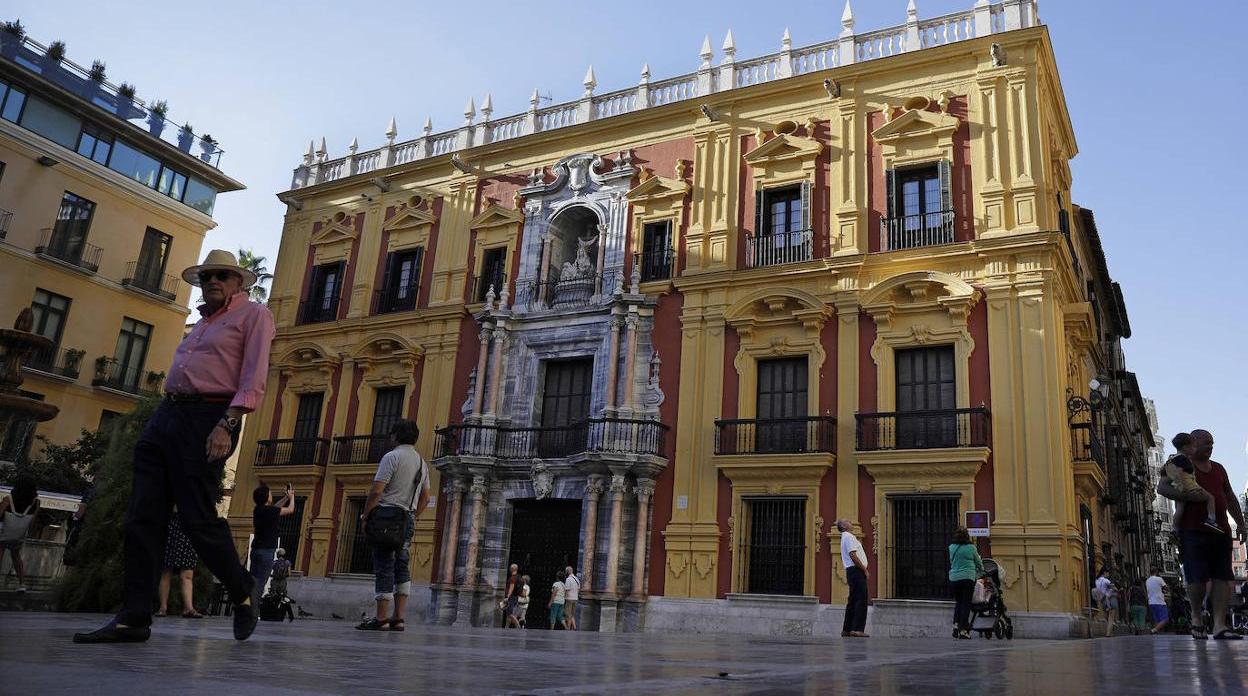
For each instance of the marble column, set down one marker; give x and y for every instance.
(593, 493)
(478, 491)
(613, 545)
(630, 359)
(602, 258)
(645, 489)
(496, 369)
(478, 394)
(613, 359)
(455, 491)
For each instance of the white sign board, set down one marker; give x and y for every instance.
(682, 502)
(977, 523)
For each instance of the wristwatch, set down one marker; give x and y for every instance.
(229, 423)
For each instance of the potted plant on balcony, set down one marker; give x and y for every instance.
(156, 117)
(54, 54)
(186, 136)
(101, 370)
(12, 34)
(97, 71)
(153, 381)
(208, 147)
(73, 361)
(125, 101)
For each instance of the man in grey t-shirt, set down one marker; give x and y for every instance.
(402, 481)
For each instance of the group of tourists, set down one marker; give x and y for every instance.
(565, 592)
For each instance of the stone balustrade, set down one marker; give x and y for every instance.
(983, 19)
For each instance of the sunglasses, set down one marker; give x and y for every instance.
(205, 276)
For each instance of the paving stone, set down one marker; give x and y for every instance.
(330, 657)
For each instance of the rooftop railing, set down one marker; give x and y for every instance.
(981, 20)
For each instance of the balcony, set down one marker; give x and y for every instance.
(779, 248)
(111, 373)
(938, 429)
(317, 311)
(6, 217)
(571, 293)
(481, 285)
(656, 264)
(149, 279)
(66, 248)
(64, 362)
(292, 452)
(775, 435)
(396, 299)
(1085, 446)
(914, 231)
(359, 449)
(608, 435)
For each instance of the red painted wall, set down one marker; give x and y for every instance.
(963, 195)
(867, 403)
(820, 210)
(346, 292)
(723, 506)
(431, 253)
(745, 216)
(666, 337)
(981, 394)
(334, 515)
(413, 399)
(877, 190)
(277, 407)
(353, 402)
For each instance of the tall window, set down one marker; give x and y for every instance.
(781, 405)
(782, 226)
(401, 284)
(354, 555)
(326, 286)
(131, 352)
(289, 529)
(656, 251)
(926, 398)
(153, 255)
(388, 410)
(69, 235)
(922, 527)
(493, 272)
(12, 99)
(51, 311)
(565, 401)
(307, 428)
(95, 142)
(775, 551)
(172, 183)
(920, 207)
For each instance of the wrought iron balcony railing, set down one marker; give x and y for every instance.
(778, 248)
(481, 285)
(359, 449)
(150, 279)
(400, 298)
(775, 435)
(292, 452)
(570, 293)
(1085, 445)
(912, 231)
(112, 373)
(954, 427)
(317, 311)
(616, 435)
(65, 362)
(68, 248)
(657, 264)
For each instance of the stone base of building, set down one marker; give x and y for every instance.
(804, 616)
(350, 597)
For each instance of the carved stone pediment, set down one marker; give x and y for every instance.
(408, 218)
(339, 228)
(495, 215)
(658, 188)
(783, 148)
(916, 123)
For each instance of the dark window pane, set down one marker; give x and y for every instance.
(137, 165)
(200, 196)
(14, 98)
(51, 122)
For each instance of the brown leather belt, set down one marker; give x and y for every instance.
(199, 398)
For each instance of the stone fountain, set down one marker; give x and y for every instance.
(16, 345)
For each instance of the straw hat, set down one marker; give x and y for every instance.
(219, 259)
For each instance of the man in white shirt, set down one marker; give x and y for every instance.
(855, 560)
(1107, 595)
(572, 592)
(1158, 610)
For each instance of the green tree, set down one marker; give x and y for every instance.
(255, 264)
(62, 468)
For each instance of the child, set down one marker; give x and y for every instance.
(1181, 472)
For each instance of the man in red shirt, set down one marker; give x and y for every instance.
(217, 375)
(1206, 554)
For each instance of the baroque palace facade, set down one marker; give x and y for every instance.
(669, 334)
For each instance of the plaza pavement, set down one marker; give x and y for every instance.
(329, 657)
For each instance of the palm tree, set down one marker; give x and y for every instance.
(255, 264)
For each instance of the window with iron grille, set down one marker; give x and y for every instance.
(923, 527)
(323, 294)
(920, 207)
(69, 234)
(353, 551)
(289, 528)
(401, 284)
(774, 553)
(782, 225)
(656, 251)
(131, 352)
(493, 271)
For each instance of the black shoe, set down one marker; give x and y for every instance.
(112, 633)
(244, 621)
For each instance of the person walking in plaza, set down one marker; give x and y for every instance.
(1155, 586)
(854, 558)
(511, 596)
(522, 601)
(1105, 593)
(180, 560)
(17, 511)
(399, 494)
(218, 374)
(264, 521)
(1206, 554)
(1137, 606)
(572, 592)
(965, 567)
(558, 595)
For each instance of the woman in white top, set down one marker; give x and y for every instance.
(572, 592)
(16, 513)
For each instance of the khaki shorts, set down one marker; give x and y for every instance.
(569, 608)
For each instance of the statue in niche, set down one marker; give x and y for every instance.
(543, 480)
(581, 266)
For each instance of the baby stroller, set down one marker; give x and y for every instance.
(988, 614)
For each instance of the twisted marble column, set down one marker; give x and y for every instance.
(593, 493)
(478, 394)
(644, 489)
(455, 491)
(478, 491)
(617, 490)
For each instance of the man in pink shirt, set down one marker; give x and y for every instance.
(217, 375)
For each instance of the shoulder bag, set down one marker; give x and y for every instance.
(385, 528)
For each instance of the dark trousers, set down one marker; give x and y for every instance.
(171, 467)
(261, 567)
(962, 591)
(856, 607)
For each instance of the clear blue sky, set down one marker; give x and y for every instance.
(1155, 92)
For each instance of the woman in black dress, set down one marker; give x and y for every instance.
(180, 558)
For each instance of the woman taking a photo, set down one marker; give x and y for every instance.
(965, 567)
